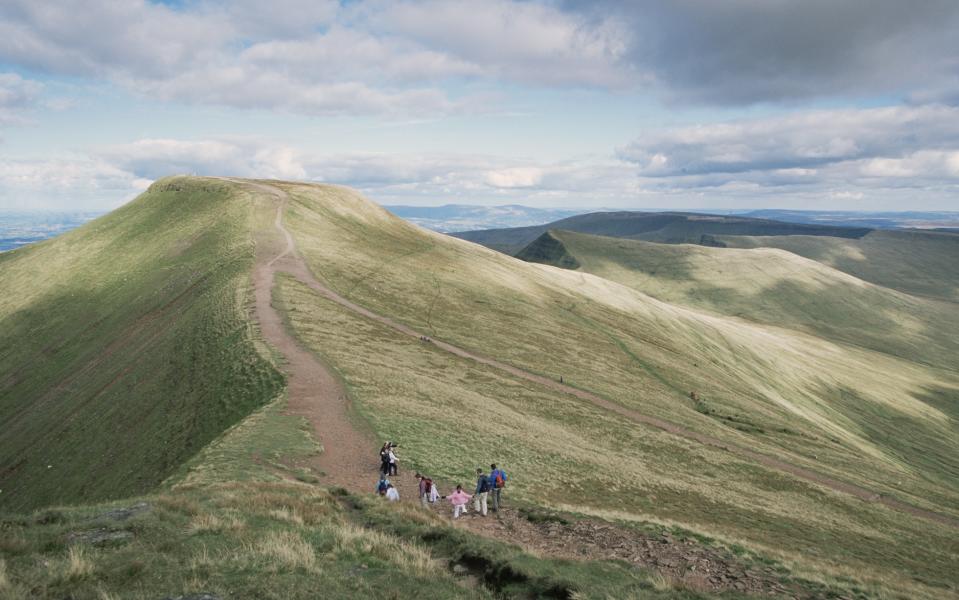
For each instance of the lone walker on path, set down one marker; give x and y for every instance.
(498, 480)
(482, 489)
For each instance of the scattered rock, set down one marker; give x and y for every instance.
(459, 569)
(122, 514)
(99, 536)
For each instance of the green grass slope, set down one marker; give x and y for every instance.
(125, 346)
(923, 263)
(674, 228)
(769, 286)
(854, 413)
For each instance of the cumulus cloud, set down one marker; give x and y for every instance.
(17, 96)
(66, 182)
(795, 144)
(312, 57)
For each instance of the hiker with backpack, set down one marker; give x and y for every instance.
(483, 487)
(425, 488)
(383, 485)
(459, 500)
(498, 479)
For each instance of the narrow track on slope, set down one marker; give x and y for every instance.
(349, 455)
(345, 447)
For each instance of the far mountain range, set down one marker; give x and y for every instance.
(452, 218)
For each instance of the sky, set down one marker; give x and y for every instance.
(814, 104)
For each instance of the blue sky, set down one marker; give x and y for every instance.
(680, 104)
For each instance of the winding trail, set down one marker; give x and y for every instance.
(348, 458)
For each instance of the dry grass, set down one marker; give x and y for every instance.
(4, 579)
(353, 540)
(287, 515)
(78, 565)
(178, 503)
(285, 550)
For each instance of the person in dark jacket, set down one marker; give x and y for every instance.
(482, 490)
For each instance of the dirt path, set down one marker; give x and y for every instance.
(313, 392)
(349, 457)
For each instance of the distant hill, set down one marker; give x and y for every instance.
(766, 285)
(921, 262)
(461, 217)
(673, 228)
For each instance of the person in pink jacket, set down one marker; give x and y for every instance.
(460, 499)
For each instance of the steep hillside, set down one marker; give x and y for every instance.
(673, 228)
(125, 346)
(924, 263)
(863, 416)
(768, 286)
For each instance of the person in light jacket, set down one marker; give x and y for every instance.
(459, 499)
(392, 494)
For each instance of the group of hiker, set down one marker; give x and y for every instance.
(489, 486)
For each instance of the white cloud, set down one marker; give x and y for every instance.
(17, 96)
(796, 144)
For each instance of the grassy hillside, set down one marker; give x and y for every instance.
(134, 351)
(673, 228)
(922, 263)
(125, 346)
(836, 408)
(768, 286)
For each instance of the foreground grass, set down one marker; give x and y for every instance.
(125, 346)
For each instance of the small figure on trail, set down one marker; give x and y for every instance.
(425, 488)
(382, 485)
(459, 499)
(385, 459)
(561, 379)
(482, 489)
(498, 480)
(434, 493)
(392, 494)
(393, 459)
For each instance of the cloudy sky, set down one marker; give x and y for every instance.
(673, 103)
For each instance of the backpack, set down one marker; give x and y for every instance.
(500, 482)
(429, 485)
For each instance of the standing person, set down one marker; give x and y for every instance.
(434, 493)
(482, 490)
(394, 460)
(459, 499)
(425, 489)
(498, 480)
(392, 494)
(385, 459)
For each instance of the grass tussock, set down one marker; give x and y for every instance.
(79, 564)
(285, 550)
(353, 540)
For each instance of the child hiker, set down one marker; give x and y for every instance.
(459, 499)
